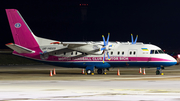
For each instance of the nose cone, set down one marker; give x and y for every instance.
(172, 61)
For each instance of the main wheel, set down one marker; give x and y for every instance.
(88, 71)
(100, 71)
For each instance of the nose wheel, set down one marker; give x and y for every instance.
(158, 71)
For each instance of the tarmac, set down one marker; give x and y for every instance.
(33, 83)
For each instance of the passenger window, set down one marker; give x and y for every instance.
(130, 52)
(118, 53)
(76, 53)
(134, 52)
(71, 53)
(152, 52)
(156, 52)
(111, 53)
(122, 53)
(64, 53)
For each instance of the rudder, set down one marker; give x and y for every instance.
(22, 34)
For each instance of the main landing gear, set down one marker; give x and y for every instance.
(90, 70)
(101, 71)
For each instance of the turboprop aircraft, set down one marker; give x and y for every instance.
(89, 55)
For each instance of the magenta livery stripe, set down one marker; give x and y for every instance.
(91, 59)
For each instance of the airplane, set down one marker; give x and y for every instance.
(90, 55)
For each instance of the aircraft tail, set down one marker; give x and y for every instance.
(22, 34)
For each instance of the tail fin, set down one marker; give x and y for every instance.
(21, 32)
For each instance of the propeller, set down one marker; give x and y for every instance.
(134, 42)
(106, 47)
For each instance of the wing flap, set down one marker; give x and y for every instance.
(19, 49)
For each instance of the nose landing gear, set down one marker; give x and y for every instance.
(158, 71)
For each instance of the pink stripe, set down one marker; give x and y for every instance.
(73, 59)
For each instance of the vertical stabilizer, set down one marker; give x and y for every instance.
(22, 34)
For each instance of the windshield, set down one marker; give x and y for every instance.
(156, 52)
(160, 52)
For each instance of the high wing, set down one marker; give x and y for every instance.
(84, 47)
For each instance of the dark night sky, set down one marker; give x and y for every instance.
(155, 21)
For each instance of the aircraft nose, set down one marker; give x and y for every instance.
(173, 60)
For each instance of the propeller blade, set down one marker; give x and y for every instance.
(104, 40)
(135, 40)
(107, 39)
(103, 48)
(132, 39)
(110, 45)
(103, 58)
(108, 56)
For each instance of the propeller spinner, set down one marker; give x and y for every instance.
(106, 47)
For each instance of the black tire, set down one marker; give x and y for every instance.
(157, 72)
(100, 71)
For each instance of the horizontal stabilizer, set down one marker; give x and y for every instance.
(19, 48)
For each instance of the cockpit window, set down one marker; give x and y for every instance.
(152, 52)
(156, 52)
(160, 52)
